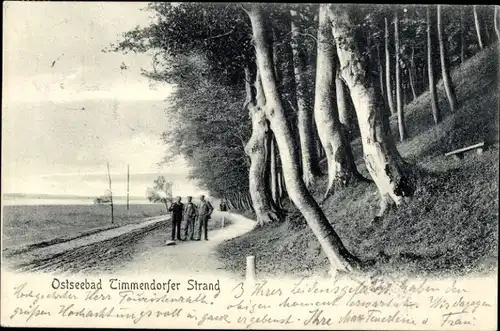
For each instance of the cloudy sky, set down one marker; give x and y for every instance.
(69, 108)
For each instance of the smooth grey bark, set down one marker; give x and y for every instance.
(305, 123)
(445, 71)
(388, 79)
(478, 27)
(274, 174)
(384, 163)
(462, 41)
(436, 113)
(411, 73)
(342, 105)
(337, 254)
(341, 166)
(381, 74)
(399, 101)
(496, 22)
(257, 149)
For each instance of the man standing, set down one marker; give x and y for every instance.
(205, 210)
(176, 208)
(189, 219)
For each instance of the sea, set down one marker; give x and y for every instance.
(30, 201)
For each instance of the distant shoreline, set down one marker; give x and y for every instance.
(15, 199)
(18, 201)
(60, 197)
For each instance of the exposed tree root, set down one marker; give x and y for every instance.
(405, 189)
(268, 217)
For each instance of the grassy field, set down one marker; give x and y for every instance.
(450, 227)
(30, 224)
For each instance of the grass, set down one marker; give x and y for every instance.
(30, 224)
(451, 225)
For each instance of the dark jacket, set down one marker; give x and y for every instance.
(176, 209)
(205, 208)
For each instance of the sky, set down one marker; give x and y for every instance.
(68, 108)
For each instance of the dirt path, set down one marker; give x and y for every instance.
(189, 257)
(133, 249)
(56, 249)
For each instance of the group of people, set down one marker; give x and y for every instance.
(187, 216)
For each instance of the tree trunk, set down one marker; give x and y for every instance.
(236, 202)
(274, 173)
(228, 202)
(339, 257)
(228, 206)
(321, 151)
(412, 83)
(381, 74)
(388, 170)
(246, 203)
(310, 161)
(399, 102)
(277, 71)
(240, 202)
(496, 22)
(249, 200)
(283, 192)
(478, 27)
(341, 167)
(388, 70)
(462, 41)
(343, 109)
(405, 90)
(436, 113)
(257, 149)
(445, 71)
(281, 186)
(487, 34)
(411, 73)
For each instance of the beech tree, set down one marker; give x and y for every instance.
(384, 163)
(259, 150)
(411, 73)
(341, 167)
(343, 105)
(436, 113)
(388, 78)
(399, 101)
(496, 22)
(445, 71)
(478, 27)
(310, 160)
(330, 242)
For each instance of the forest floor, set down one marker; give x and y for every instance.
(450, 227)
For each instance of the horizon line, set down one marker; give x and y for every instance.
(65, 196)
(72, 196)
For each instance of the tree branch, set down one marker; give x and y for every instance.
(308, 35)
(291, 105)
(222, 35)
